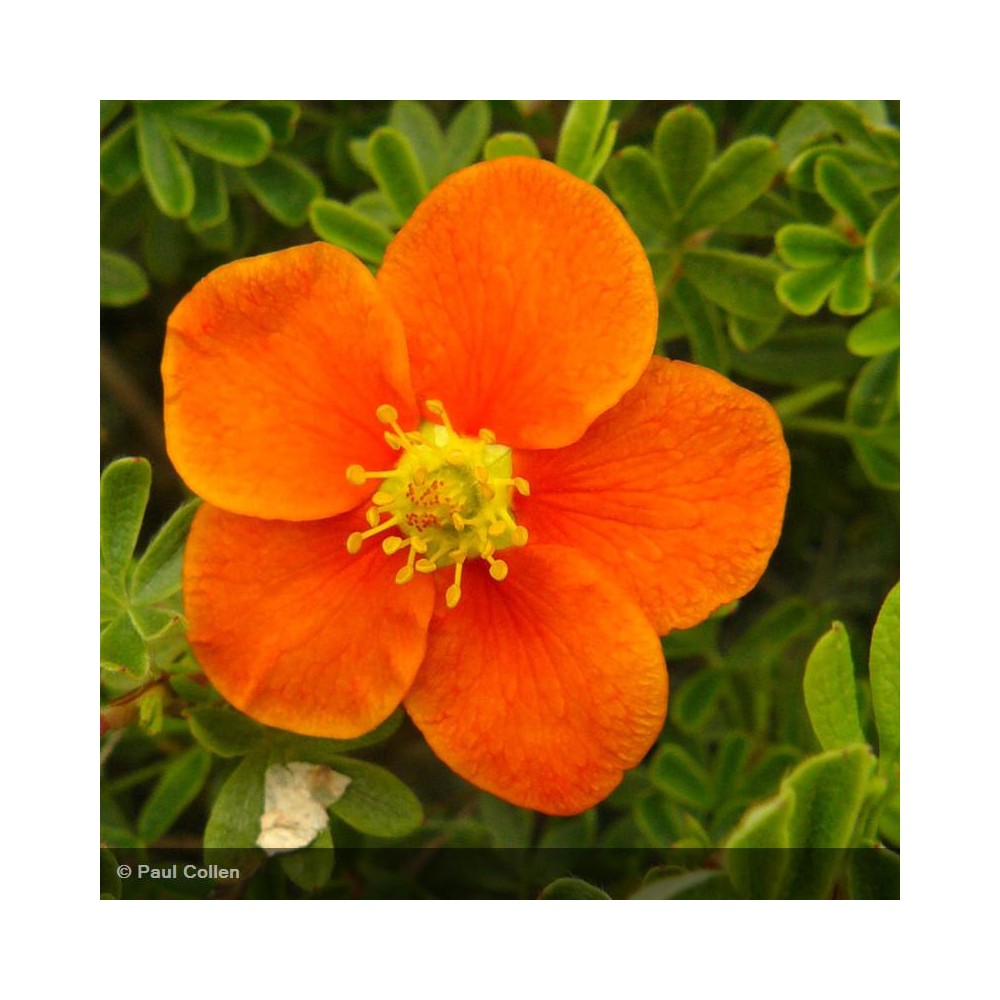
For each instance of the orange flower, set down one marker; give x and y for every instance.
(463, 485)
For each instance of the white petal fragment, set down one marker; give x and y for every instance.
(295, 799)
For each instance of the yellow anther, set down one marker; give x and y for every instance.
(391, 545)
(354, 542)
(487, 435)
(382, 498)
(356, 475)
(522, 486)
(481, 474)
(487, 491)
(454, 593)
(496, 529)
(498, 568)
(372, 516)
(356, 538)
(405, 575)
(458, 521)
(436, 407)
(420, 476)
(520, 535)
(387, 414)
(425, 566)
(392, 441)
(487, 548)
(418, 544)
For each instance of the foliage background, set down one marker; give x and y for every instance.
(773, 231)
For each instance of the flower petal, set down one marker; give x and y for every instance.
(295, 632)
(679, 491)
(544, 688)
(273, 368)
(528, 303)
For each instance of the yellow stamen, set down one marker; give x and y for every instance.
(383, 498)
(454, 593)
(406, 573)
(498, 568)
(391, 545)
(372, 516)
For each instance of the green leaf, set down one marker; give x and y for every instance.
(280, 117)
(708, 346)
(178, 787)
(684, 144)
(601, 155)
(310, 867)
(657, 818)
(111, 883)
(873, 873)
(509, 825)
(804, 125)
(882, 246)
(466, 134)
(874, 173)
(158, 573)
(123, 282)
(418, 126)
(740, 283)
(167, 173)
(316, 750)
(396, 170)
(124, 495)
(510, 144)
(636, 184)
(375, 206)
(830, 692)
(679, 776)
(572, 888)
(581, 132)
(849, 121)
(693, 703)
(211, 200)
(570, 832)
(876, 334)
(284, 187)
(110, 111)
(748, 334)
(874, 397)
(235, 818)
(803, 245)
(736, 179)
(804, 292)
(732, 755)
(888, 821)
(123, 649)
(844, 193)
(852, 294)
(879, 464)
(757, 856)
(120, 167)
(180, 107)
(155, 623)
(224, 731)
(770, 769)
(797, 403)
(702, 883)
(349, 228)
(376, 802)
(236, 138)
(165, 246)
(883, 665)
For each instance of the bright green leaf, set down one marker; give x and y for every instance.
(120, 167)
(177, 788)
(852, 294)
(375, 206)
(123, 282)
(466, 134)
(736, 179)
(876, 334)
(422, 134)
(236, 138)
(124, 495)
(235, 818)
(158, 573)
(807, 246)
(167, 173)
(830, 692)
(123, 649)
(510, 144)
(873, 172)
(349, 228)
(280, 117)
(757, 854)
(844, 193)
(284, 187)
(637, 185)
(376, 802)
(396, 170)
(804, 292)
(581, 132)
(684, 144)
(741, 284)
(884, 670)
(849, 121)
(882, 246)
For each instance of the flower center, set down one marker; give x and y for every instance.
(449, 497)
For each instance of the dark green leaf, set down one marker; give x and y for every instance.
(396, 170)
(509, 825)
(177, 788)
(123, 649)
(844, 193)
(581, 132)
(572, 888)
(880, 465)
(876, 334)
(636, 184)
(167, 173)
(882, 246)
(316, 750)
(693, 703)
(572, 832)
(748, 334)
(280, 117)
(235, 818)
(111, 883)
(310, 867)
(657, 818)
(165, 246)
(510, 144)
(110, 111)
(284, 187)
(757, 856)
(158, 573)
(123, 282)
(349, 228)
(224, 731)
(704, 883)
(684, 144)
(376, 802)
(808, 246)
(236, 138)
(124, 495)
(120, 159)
(799, 356)
(740, 283)
(873, 873)
(708, 345)
(884, 670)
(466, 134)
(770, 769)
(874, 173)
(418, 126)
(732, 755)
(797, 403)
(804, 292)
(736, 179)
(874, 398)
(211, 200)
(679, 776)
(830, 692)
